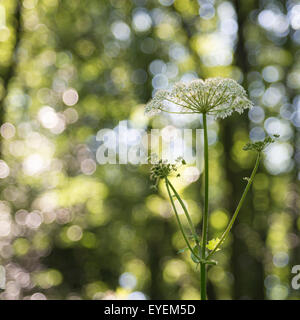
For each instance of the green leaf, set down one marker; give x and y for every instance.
(212, 244)
(194, 258)
(182, 250)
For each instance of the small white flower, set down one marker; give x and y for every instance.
(215, 96)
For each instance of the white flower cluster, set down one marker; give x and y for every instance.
(214, 96)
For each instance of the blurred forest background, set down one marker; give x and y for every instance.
(73, 229)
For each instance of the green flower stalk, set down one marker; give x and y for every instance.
(218, 97)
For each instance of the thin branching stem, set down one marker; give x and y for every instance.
(168, 185)
(237, 210)
(185, 211)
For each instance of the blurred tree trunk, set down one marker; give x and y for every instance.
(247, 270)
(8, 73)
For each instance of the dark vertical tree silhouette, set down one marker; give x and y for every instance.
(248, 272)
(8, 73)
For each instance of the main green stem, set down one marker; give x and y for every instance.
(205, 213)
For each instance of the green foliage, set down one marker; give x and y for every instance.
(259, 146)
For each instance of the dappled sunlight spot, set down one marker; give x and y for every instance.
(206, 11)
(173, 270)
(95, 290)
(98, 219)
(272, 73)
(12, 290)
(46, 202)
(256, 89)
(33, 220)
(70, 97)
(21, 216)
(4, 170)
(48, 278)
(272, 97)
(120, 30)
(17, 195)
(21, 246)
(280, 259)
(141, 20)
(74, 233)
(138, 268)
(41, 243)
(159, 206)
(293, 79)
(23, 279)
(189, 293)
(165, 31)
(88, 166)
(41, 144)
(178, 52)
(79, 189)
(271, 280)
(71, 115)
(17, 148)
(257, 134)
(229, 27)
(274, 21)
(4, 34)
(296, 118)
(160, 81)
(157, 67)
(60, 125)
(136, 295)
(187, 8)
(7, 130)
(138, 117)
(214, 49)
(38, 296)
(63, 216)
(276, 238)
(294, 15)
(191, 174)
(127, 280)
(34, 164)
(278, 292)
(278, 158)
(166, 2)
(256, 114)
(216, 274)
(5, 222)
(226, 10)
(218, 219)
(276, 126)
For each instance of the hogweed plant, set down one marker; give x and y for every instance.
(218, 97)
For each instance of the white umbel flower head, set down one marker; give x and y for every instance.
(214, 96)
